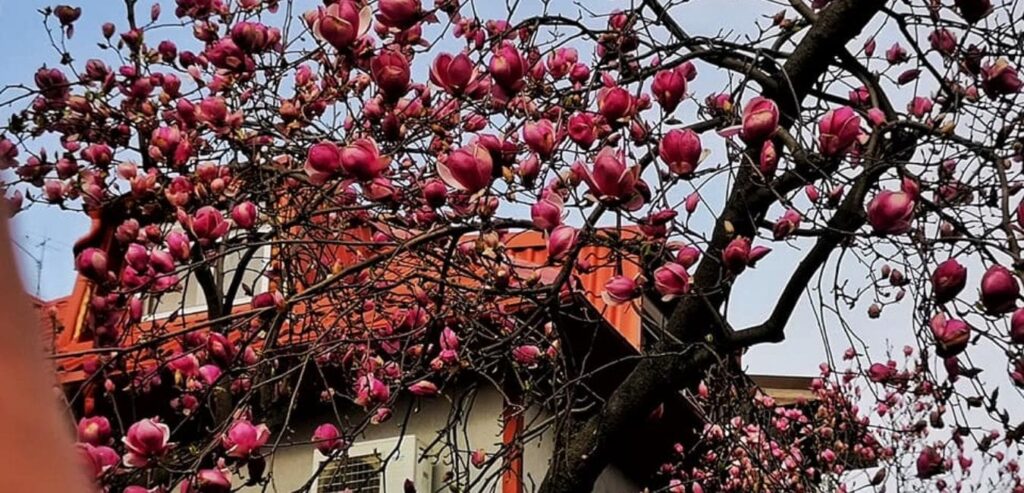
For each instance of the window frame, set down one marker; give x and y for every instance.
(262, 284)
(400, 457)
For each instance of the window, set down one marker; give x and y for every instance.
(375, 466)
(355, 474)
(190, 297)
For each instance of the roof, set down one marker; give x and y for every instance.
(526, 251)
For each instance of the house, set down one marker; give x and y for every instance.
(407, 447)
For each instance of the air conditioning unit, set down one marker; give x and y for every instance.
(374, 466)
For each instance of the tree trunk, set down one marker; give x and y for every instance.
(586, 452)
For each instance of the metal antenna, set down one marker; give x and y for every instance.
(38, 260)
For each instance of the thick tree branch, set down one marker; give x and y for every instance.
(587, 451)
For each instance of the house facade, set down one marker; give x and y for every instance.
(515, 445)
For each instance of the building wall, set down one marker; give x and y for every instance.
(292, 465)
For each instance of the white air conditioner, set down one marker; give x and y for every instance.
(374, 466)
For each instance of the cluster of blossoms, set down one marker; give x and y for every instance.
(389, 179)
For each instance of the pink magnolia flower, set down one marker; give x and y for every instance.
(860, 96)
(620, 290)
(435, 194)
(391, 73)
(449, 340)
(253, 37)
(8, 154)
(94, 431)
(786, 224)
(999, 290)
(92, 263)
(736, 255)
(67, 14)
(225, 54)
(719, 103)
(527, 355)
(681, 150)
(178, 193)
(610, 181)
(244, 215)
(98, 154)
(269, 299)
(880, 373)
(362, 159)
(561, 241)
(528, 169)
(1017, 327)
(615, 104)
(768, 160)
(370, 390)
(908, 76)
(838, 131)
(760, 119)
(672, 281)
(541, 137)
(52, 83)
(327, 438)
(582, 128)
(143, 489)
(423, 388)
(146, 441)
(323, 159)
(561, 61)
(217, 480)
(580, 73)
(688, 256)
(920, 106)
(399, 14)
(891, 212)
(208, 224)
(342, 23)
(508, 67)
(896, 54)
(165, 140)
(948, 279)
(655, 225)
(220, 348)
(243, 439)
(179, 246)
(951, 336)
(452, 73)
(213, 111)
(943, 41)
(478, 458)
(669, 88)
(468, 169)
(1000, 79)
(209, 374)
(186, 365)
(691, 202)
(930, 463)
(547, 212)
(97, 460)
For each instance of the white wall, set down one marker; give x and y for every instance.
(292, 465)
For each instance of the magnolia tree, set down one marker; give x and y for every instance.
(385, 151)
